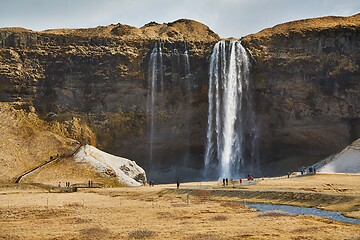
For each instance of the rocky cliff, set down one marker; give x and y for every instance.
(305, 76)
(307, 83)
(100, 76)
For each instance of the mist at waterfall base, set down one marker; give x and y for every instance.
(232, 134)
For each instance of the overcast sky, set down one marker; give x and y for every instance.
(226, 17)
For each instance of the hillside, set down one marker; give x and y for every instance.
(27, 141)
(180, 30)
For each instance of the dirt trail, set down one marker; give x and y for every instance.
(52, 160)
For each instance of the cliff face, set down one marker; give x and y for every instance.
(305, 76)
(100, 76)
(307, 87)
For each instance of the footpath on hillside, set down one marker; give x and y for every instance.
(52, 159)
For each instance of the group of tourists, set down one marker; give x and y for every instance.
(90, 183)
(308, 170)
(249, 178)
(225, 181)
(67, 184)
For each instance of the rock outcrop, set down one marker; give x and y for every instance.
(125, 171)
(307, 88)
(305, 76)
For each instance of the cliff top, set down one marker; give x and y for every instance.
(180, 30)
(305, 25)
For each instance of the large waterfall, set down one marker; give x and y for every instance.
(232, 146)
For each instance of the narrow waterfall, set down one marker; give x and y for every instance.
(232, 135)
(168, 102)
(155, 81)
(188, 109)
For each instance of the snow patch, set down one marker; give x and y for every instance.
(127, 171)
(347, 161)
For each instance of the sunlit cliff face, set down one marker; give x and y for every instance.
(305, 78)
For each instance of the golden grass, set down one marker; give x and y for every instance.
(29, 142)
(155, 213)
(312, 24)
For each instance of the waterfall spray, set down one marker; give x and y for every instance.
(232, 133)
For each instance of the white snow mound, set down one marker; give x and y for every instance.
(127, 171)
(347, 161)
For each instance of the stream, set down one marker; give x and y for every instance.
(303, 211)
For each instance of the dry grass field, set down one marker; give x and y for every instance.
(162, 212)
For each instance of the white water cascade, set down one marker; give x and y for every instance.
(232, 134)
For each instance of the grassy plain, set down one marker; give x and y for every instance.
(198, 211)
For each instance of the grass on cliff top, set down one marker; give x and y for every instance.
(180, 30)
(317, 24)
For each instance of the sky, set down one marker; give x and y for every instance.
(228, 18)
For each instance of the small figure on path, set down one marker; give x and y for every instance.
(240, 180)
(288, 174)
(227, 181)
(59, 184)
(223, 181)
(89, 183)
(177, 184)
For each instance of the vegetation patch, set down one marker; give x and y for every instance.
(219, 218)
(234, 204)
(73, 205)
(94, 233)
(273, 214)
(141, 234)
(203, 236)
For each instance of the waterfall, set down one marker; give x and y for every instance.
(187, 94)
(165, 88)
(155, 78)
(232, 134)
